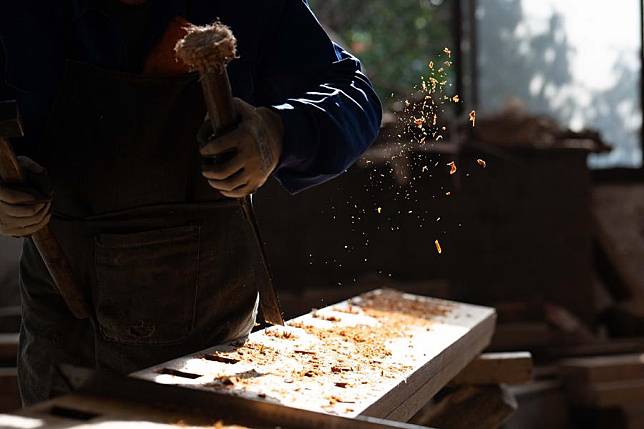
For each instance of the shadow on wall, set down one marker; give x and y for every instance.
(9, 254)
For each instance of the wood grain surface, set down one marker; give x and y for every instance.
(383, 354)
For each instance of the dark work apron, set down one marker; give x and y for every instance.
(169, 265)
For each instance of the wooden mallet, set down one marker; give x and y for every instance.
(45, 241)
(209, 49)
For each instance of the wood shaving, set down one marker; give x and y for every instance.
(452, 168)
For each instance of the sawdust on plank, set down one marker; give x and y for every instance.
(344, 363)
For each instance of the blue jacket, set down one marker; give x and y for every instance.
(329, 108)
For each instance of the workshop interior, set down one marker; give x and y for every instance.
(322, 214)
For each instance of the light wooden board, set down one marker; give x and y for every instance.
(383, 354)
(110, 401)
(497, 368)
(75, 411)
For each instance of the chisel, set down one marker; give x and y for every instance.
(208, 50)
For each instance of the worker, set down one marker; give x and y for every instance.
(154, 234)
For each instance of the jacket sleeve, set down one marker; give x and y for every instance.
(330, 111)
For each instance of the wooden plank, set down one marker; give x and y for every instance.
(522, 336)
(374, 355)
(9, 395)
(107, 402)
(605, 381)
(613, 394)
(8, 348)
(603, 368)
(601, 347)
(82, 411)
(497, 368)
(482, 407)
(453, 361)
(618, 214)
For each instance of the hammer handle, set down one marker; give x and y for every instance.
(45, 241)
(10, 171)
(222, 115)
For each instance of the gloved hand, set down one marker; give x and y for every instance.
(246, 156)
(26, 209)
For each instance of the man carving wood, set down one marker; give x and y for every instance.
(154, 234)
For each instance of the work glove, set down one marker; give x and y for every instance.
(240, 161)
(26, 208)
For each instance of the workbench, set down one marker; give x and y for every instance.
(381, 355)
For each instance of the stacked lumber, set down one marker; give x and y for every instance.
(608, 383)
(477, 396)
(497, 368)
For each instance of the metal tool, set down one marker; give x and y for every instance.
(45, 241)
(211, 405)
(208, 50)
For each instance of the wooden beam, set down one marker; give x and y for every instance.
(383, 354)
(604, 368)
(617, 216)
(610, 394)
(481, 407)
(9, 396)
(105, 412)
(497, 368)
(8, 348)
(605, 381)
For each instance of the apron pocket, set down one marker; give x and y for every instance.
(146, 285)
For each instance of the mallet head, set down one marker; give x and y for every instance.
(208, 48)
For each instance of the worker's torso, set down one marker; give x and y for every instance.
(164, 259)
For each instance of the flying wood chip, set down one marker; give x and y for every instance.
(452, 168)
(481, 162)
(473, 118)
(439, 249)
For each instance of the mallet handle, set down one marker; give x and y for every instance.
(45, 241)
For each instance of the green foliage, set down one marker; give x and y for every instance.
(395, 39)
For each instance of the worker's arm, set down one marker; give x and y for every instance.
(24, 210)
(328, 107)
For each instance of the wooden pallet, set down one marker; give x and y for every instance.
(383, 354)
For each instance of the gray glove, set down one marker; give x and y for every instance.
(245, 157)
(25, 209)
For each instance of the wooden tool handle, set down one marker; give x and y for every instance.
(219, 100)
(45, 241)
(10, 171)
(61, 272)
